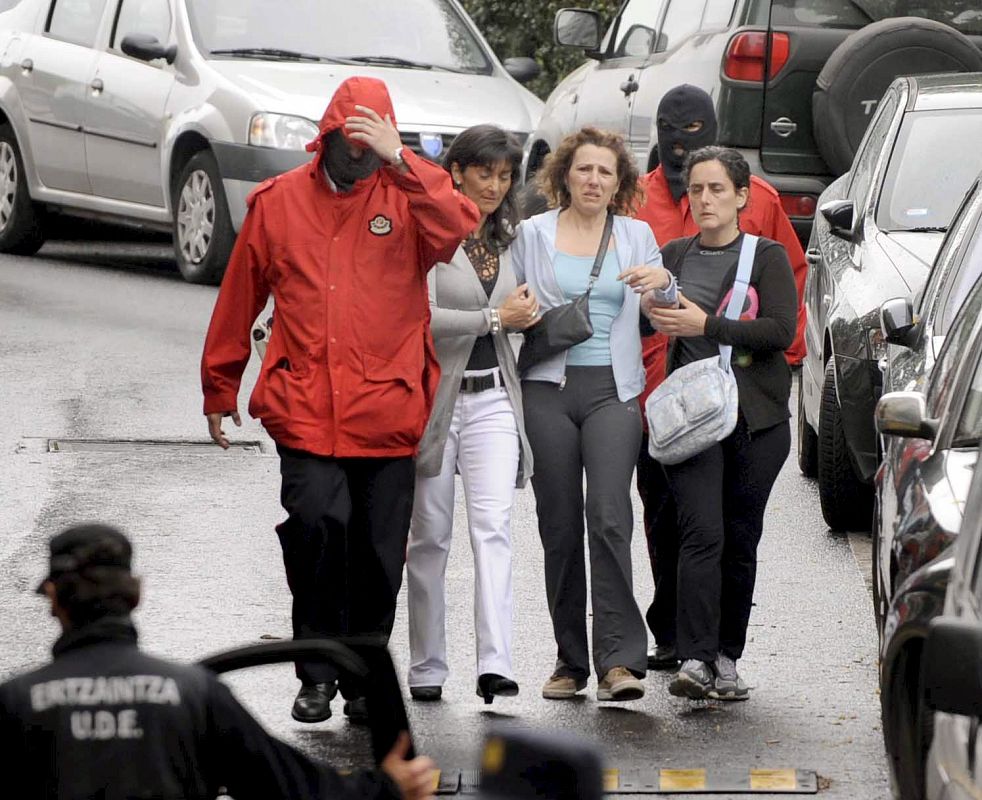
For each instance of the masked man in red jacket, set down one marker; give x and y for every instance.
(348, 379)
(686, 121)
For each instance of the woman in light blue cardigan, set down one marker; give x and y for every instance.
(581, 409)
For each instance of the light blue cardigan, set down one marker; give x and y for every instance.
(533, 255)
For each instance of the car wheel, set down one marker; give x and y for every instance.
(807, 438)
(21, 230)
(908, 725)
(203, 234)
(846, 501)
(863, 66)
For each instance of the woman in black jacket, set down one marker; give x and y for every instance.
(721, 492)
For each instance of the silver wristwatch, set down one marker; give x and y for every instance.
(397, 160)
(495, 321)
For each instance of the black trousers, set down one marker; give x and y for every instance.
(584, 428)
(344, 545)
(661, 533)
(721, 495)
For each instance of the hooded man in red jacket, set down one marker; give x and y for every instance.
(686, 121)
(347, 382)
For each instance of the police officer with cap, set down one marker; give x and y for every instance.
(106, 720)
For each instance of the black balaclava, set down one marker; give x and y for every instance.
(680, 107)
(343, 169)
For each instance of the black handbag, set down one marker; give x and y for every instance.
(569, 324)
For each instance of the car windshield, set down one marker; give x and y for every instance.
(934, 162)
(416, 34)
(963, 15)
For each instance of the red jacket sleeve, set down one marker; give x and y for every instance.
(242, 296)
(780, 229)
(443, 215)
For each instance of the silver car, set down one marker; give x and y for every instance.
(167, 113)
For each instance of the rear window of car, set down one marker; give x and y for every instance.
(963, 15)
(421, 33)
(934, 161)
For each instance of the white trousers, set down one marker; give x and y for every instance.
(483, 446)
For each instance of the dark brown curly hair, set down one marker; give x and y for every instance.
(551, 178)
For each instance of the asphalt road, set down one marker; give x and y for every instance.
(102, 340)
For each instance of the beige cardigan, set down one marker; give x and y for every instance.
(461, 311)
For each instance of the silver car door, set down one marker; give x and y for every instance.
(55, 70)
(124, 118)
(607, 93)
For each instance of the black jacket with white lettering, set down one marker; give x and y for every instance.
(105, 720)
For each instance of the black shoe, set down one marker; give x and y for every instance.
(426, 693)
(313, 703)
(664, 656)
(356, 710)
(489, 685)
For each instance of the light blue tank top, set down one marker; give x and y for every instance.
(606, 299)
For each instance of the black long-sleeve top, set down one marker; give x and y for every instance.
(762, 373)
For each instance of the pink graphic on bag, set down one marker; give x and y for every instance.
(751, 304)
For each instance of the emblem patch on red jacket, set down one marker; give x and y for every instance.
(380, 225)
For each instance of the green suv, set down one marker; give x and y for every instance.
(795, 81)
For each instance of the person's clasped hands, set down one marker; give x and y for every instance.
(520, 309)
(686, 320)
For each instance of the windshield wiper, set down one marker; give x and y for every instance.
(924, 229)
(271, 52)
(394, 61)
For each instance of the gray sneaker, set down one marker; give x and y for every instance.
(727, 684)
(693, 680)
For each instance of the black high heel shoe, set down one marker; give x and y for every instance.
(489, 685)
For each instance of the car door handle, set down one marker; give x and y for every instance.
(97, 85)
(813, 257)
(27, 65)
(630, 86)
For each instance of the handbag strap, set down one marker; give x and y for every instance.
(741, 284)
(598, 262)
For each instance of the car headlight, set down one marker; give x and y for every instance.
(282, 131)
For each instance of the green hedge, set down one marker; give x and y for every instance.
(524, 28)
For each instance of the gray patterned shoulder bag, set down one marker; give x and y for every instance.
(696, 406)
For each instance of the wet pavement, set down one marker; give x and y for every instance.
(102, 341)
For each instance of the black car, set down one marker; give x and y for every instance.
(878, 230)
(928, 496)
(795, 81)
(921, 485)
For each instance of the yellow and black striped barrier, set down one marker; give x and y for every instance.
(670, 781)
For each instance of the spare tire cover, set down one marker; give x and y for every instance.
(861, 68)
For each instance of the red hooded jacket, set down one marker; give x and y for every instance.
(763, 216)
(350, 368)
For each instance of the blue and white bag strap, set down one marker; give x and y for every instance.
(741, 285)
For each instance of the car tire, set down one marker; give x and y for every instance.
(203, 233)
(908, 725)
(807, 438)
(21, 220)
(846, 501)
(863, 66)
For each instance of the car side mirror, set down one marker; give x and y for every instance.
(904, 414)
(952, 667)
(147, 48)
(840, 215)
(576, 27)
(897, 321)
(522, 68)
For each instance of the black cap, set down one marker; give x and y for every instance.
(84, 546)
(518, 764)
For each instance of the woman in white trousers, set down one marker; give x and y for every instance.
(476, 428)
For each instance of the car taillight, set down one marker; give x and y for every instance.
(798, 205)
(747, 54)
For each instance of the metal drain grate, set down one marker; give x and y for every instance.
(149, 446)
